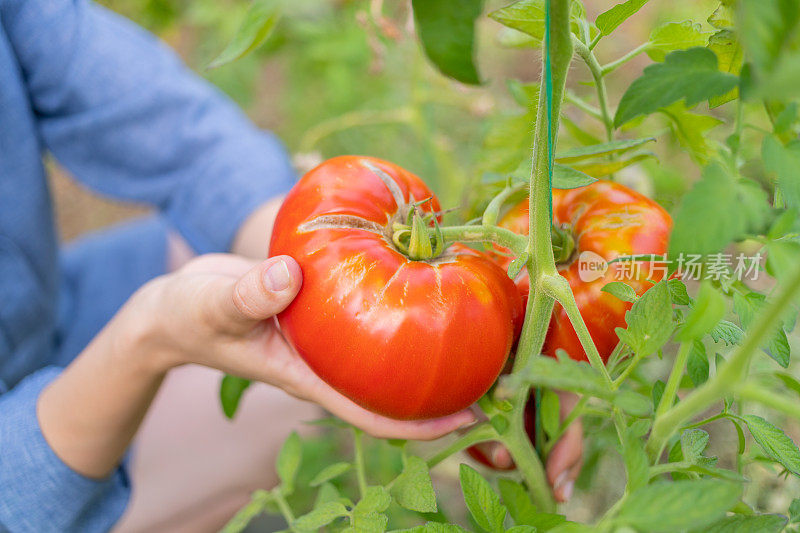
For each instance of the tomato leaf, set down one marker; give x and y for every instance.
(609, 20)
(727, 332)
(448, 36)
(599, 169)
(658, 392)
(697, 365)
(678, 505)
(693, 443)
(689, 75)
(707, 310)
(434, 527)
(703, 227)
(764, 523)
(621, 290)
(794, 511)
(691, 131)
(245, 515)
(320, 517)
(527, 16)
(747, 307)
(330, 472)
(517, 501)
(565, 177)
(602, 149)
(774, 442)
(482, 502)
(637, 466)
(678, 292)
(288, 462)
(230, 393)
(783, 162)
(413, 488)
(674, 36)
(549, 410)
(259, 21)
(723, 18)
(730, 56)
(649, 321)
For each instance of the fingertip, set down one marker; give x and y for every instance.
(282, 274)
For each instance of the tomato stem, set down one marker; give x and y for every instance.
(480, 433)
(358, 453)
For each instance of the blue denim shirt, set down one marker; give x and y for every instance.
(125, 117)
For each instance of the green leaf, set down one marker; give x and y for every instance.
(413, 488)
(678, 505)
(702, 226)
(259, 21)
(246, 514)
(599, 169)
(517, 501)
(774, 442)
(482, 502)
(730, 56)
(674, 36)
(697, 365)
(727, 332)
(376, 500)
(521, 529)
(320, 517)
(658, 392)
(693, 443)
(434, 527)
(609, 20)
(723, 18)
(330, 472)
(789, 381)
(678, 292)
(230, 393)
(649, 321)
(565, 177)
(691, 130)
(327, 493)
(637, 465)
(448, 36)
(707, 311)
(783, 162)
(764, 523)
(549, 410)
(689, 75)
(603, 149)
(767, 30)
(747, 307)
(794, 511)
(288, 462)
(621, 290)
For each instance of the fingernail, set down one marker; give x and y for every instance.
(566, 490)
(277, 277)
(560, 480)
(471, 421)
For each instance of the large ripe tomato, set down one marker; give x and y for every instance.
(405, 339)
(609, 220)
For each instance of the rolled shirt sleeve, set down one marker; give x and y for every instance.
(119, 110)
(39, 493)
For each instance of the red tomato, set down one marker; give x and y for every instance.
(405, 339)
(609, 220)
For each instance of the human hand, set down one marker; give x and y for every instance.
(218, 311)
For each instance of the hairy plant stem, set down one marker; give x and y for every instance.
(610, 67)
(779, 402)
(284, 508)
(358, 449)
(668, 398)
(541, 262)
(596, 70)
(732, 373)
(502, 236)
(481, 433)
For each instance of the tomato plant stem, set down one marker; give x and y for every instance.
(558, 287)
(529, 465)
(610, 67)
(752, 391)
(284, 508)
(596, 70)
(502, 236)
(358, 449)
(481, 433)
(668, 398)
(728, 378)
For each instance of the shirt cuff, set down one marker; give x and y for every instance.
(38, 492)
(243, 176)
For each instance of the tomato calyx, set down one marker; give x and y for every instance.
(563, 244)
(414, 239)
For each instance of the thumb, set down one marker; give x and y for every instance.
(264, 291)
